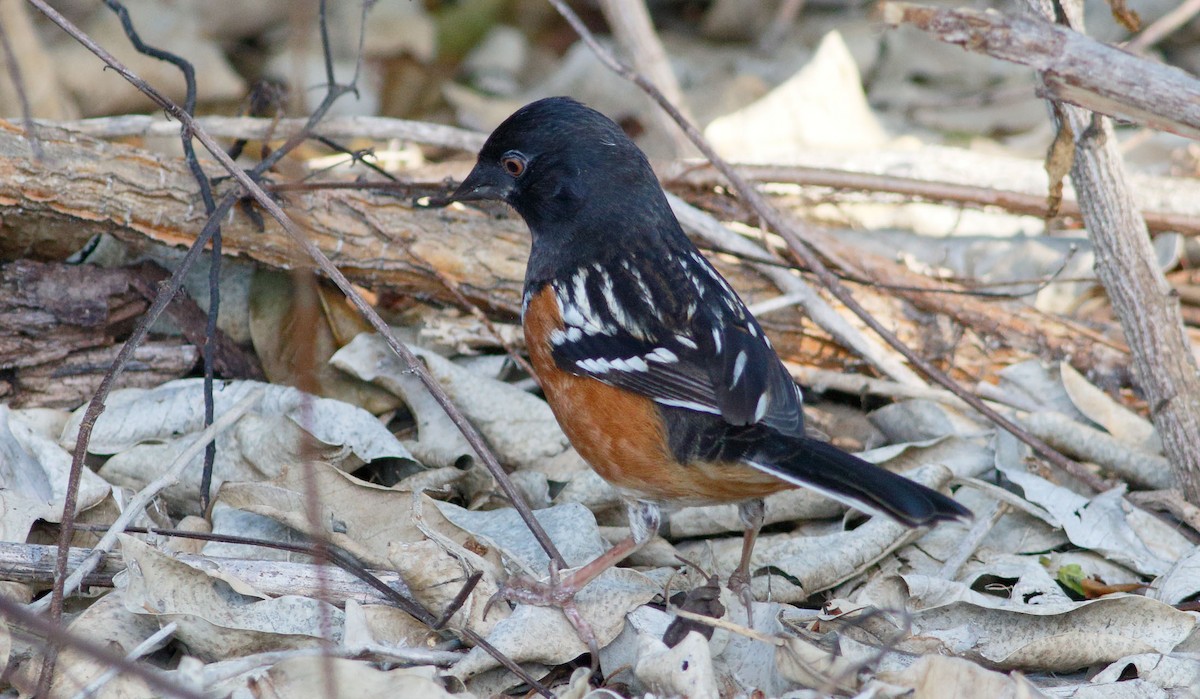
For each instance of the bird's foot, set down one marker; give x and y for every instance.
(556, 591)
(739, 584)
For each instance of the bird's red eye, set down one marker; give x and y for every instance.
(513, 163)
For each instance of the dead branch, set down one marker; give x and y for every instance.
(632, 27)
(252, 128)
(1150, 315)
(1073, 67)
(86, 186)
(33, 564)
(1180, 196)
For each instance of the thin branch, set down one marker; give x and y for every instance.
(36, 629)
(255, 128)
(18, 83)
(208, 349)
(630, 23)
(1073, 67)
(138, 504)
(1164, 26)
(925, 190)
(148, 645)
(790, 232)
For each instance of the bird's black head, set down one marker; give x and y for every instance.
(578, 181)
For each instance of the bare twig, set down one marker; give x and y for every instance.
(137, 505)
(36, 629)
(1150, 316)
(924, 190)
(1164, 26)
(789, 231)
(148, 645)
(630, 23)
(1074, 68)
(206, 195)
(253, 128)
(18, 83)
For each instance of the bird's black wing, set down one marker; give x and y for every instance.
(677, 333)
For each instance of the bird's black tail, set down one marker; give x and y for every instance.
(830, 471)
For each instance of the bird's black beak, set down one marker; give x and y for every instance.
(483, 183)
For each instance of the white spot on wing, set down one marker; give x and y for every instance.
(685, 341)
(594, 366)
(662, 355)
(643, 287)
(716, 333)
(690, 405)
(572, 317)
(739, 366)
(760, 409)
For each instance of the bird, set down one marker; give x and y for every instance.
(659, 376)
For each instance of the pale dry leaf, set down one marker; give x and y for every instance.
(361, 517)
(543, 635)
(1180, 582)
(145, 430)
(941, 677)
(176, 408)
(436, 572)
(1052, 637)
(47, 422)
(1106, 524)
(828, 91)
(685, 670)
(214, 620)
(383, 624)
(1119, 421)
(1176, 671)
(618, 657)
(303, 677)
(33, 478)
(572, 528)
(1033, 583)
(229, 520)
(921, 420)
(809, 665)
(745, 662)
(519, 426)
(1135, 688)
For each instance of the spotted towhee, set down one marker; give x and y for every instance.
(658, 374)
